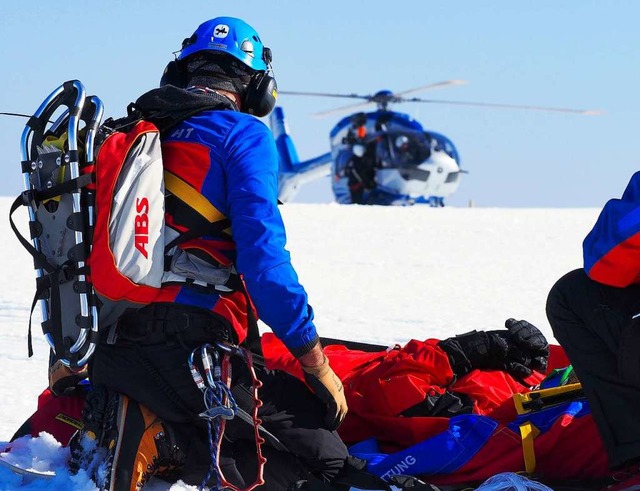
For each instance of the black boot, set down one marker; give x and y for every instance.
(123, 444)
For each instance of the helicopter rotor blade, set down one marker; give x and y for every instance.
(366, 98)
(398, 98)
(369, 98)
(324, 94)
(587, 112)
(437, 85)
(342, 109)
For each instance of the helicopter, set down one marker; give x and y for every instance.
(381, 157)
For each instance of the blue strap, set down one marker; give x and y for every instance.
(214, 391)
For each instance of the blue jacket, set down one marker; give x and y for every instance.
(231, 159)
(612, 248)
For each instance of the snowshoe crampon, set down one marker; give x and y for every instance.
(57, 161)
(27, 475)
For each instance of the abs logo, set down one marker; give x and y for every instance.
(220, 31)
(141, 226)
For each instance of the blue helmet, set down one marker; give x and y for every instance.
(230, 36)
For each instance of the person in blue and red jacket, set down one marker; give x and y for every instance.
(230, 266)
(593, 312)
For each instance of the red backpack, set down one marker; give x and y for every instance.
(95, 194)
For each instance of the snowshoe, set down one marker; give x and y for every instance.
(57, 158)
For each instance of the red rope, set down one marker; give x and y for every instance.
(257, 403)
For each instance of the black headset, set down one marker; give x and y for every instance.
(259, 97)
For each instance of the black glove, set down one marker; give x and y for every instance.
(475, 349)
(519, 350)
(528, 348)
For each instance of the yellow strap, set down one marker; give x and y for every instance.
(546, 396)
(529, 432)
(194, 199)
(518, 400)
(57, 142)
(64, 418)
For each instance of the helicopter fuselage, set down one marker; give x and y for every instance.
(385, 157)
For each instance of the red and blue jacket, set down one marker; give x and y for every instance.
(230, 158)
(612, 248)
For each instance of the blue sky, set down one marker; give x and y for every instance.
(572, 53)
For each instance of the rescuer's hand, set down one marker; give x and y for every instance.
(63, 379)
(326, 385)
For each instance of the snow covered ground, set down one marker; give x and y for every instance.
(376, 274)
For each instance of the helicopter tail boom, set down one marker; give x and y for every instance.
(293, 172)
(284, 144)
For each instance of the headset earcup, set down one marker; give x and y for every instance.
(174, 74)
(260, 95)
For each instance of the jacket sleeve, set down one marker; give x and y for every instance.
(612, 248)
(259, 234)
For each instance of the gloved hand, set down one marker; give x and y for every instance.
(326, 385)
(475, 349)
(528, 348)
(519, 350)
(62, 378)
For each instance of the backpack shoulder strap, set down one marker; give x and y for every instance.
(191, 197)
(212, 220)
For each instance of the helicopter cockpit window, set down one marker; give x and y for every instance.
(443, 144)
(402, 149)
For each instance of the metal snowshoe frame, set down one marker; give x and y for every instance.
(60, 200)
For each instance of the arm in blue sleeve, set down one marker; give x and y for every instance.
(611, 241)
(259, 235)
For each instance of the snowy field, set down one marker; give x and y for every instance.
(376, 274)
